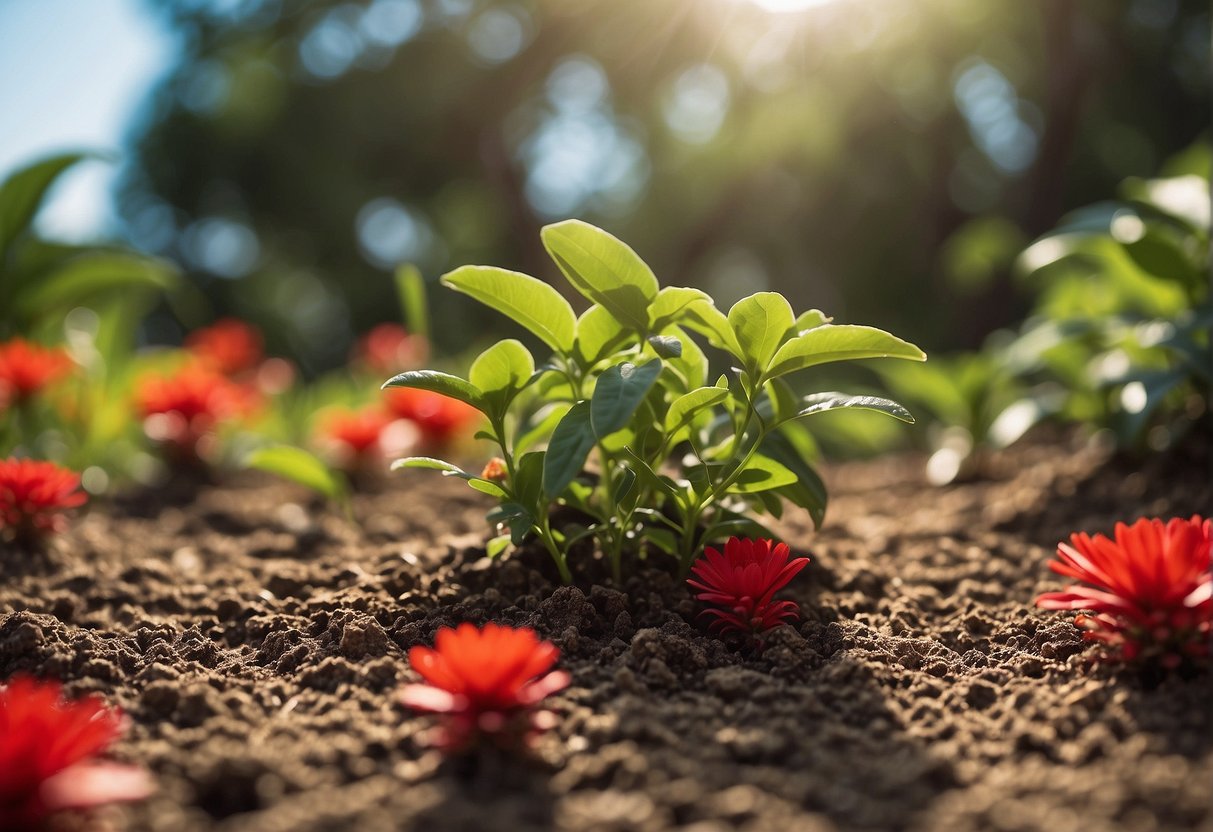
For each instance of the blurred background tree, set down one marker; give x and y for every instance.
(883, 160)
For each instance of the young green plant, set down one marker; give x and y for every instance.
(621, 435)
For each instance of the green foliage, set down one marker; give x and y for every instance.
(1119, 337)
(40, 282)
(89, 298)
(302, 467)
(622, 424)
(410, 288)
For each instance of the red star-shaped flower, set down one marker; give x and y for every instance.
(485, 683)
(27, 368)
(34, 496)
(1150, 589)
(741, 582)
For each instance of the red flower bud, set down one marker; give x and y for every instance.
(495, 470)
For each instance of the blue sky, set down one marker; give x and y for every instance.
(73, 74)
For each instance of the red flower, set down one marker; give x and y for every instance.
(26, 368)
(45, 750)
(228, 346)
(742, 582)
(440, 419)
(182, 410)
(358, 432)
(1150, 589)
(34, 495)
(485, 683)
(388, 348)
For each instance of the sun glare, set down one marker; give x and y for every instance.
(778, 6)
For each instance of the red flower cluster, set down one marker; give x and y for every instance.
(34, 495)
(389, 348)
(182, 410)
(228, 346)
(485, 683)
(741, 583)
(26, 368)
(1150, 589)
(45, 750)
(440, 419)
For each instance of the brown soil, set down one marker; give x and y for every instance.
(256, 642)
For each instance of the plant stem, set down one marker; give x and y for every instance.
(545, 534)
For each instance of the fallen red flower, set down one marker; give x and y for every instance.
(45, 748)
(228, 346)
(440, 419)
(389, 348)
(485, 683)
(26, 368)
(183, 410)
(34, 496)
(742, 581)
(1150, 589)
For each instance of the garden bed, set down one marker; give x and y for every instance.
(256, 642)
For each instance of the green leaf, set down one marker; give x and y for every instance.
(540, 427)
(300, 466)
(522, 298)
(22, 192)
(623, 485)
(81, 278)
(410, 288)
(808, 492)
(496, 546)
(450, 470)
(571, 443)
(667, 346)
(821, 402)
(839, 342)
(762, 474)
(598, 335)
(500, 372)
(671, 304)
(690, 368)
(428, 462)
(443, 383)
(516, 516)
(761, 323)
(811, 320)
(528, 478)
(651, 477)
(487, 487)
(604, 269)
(682, 411)
(662, 539)
(709, 321)
(619, 391)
